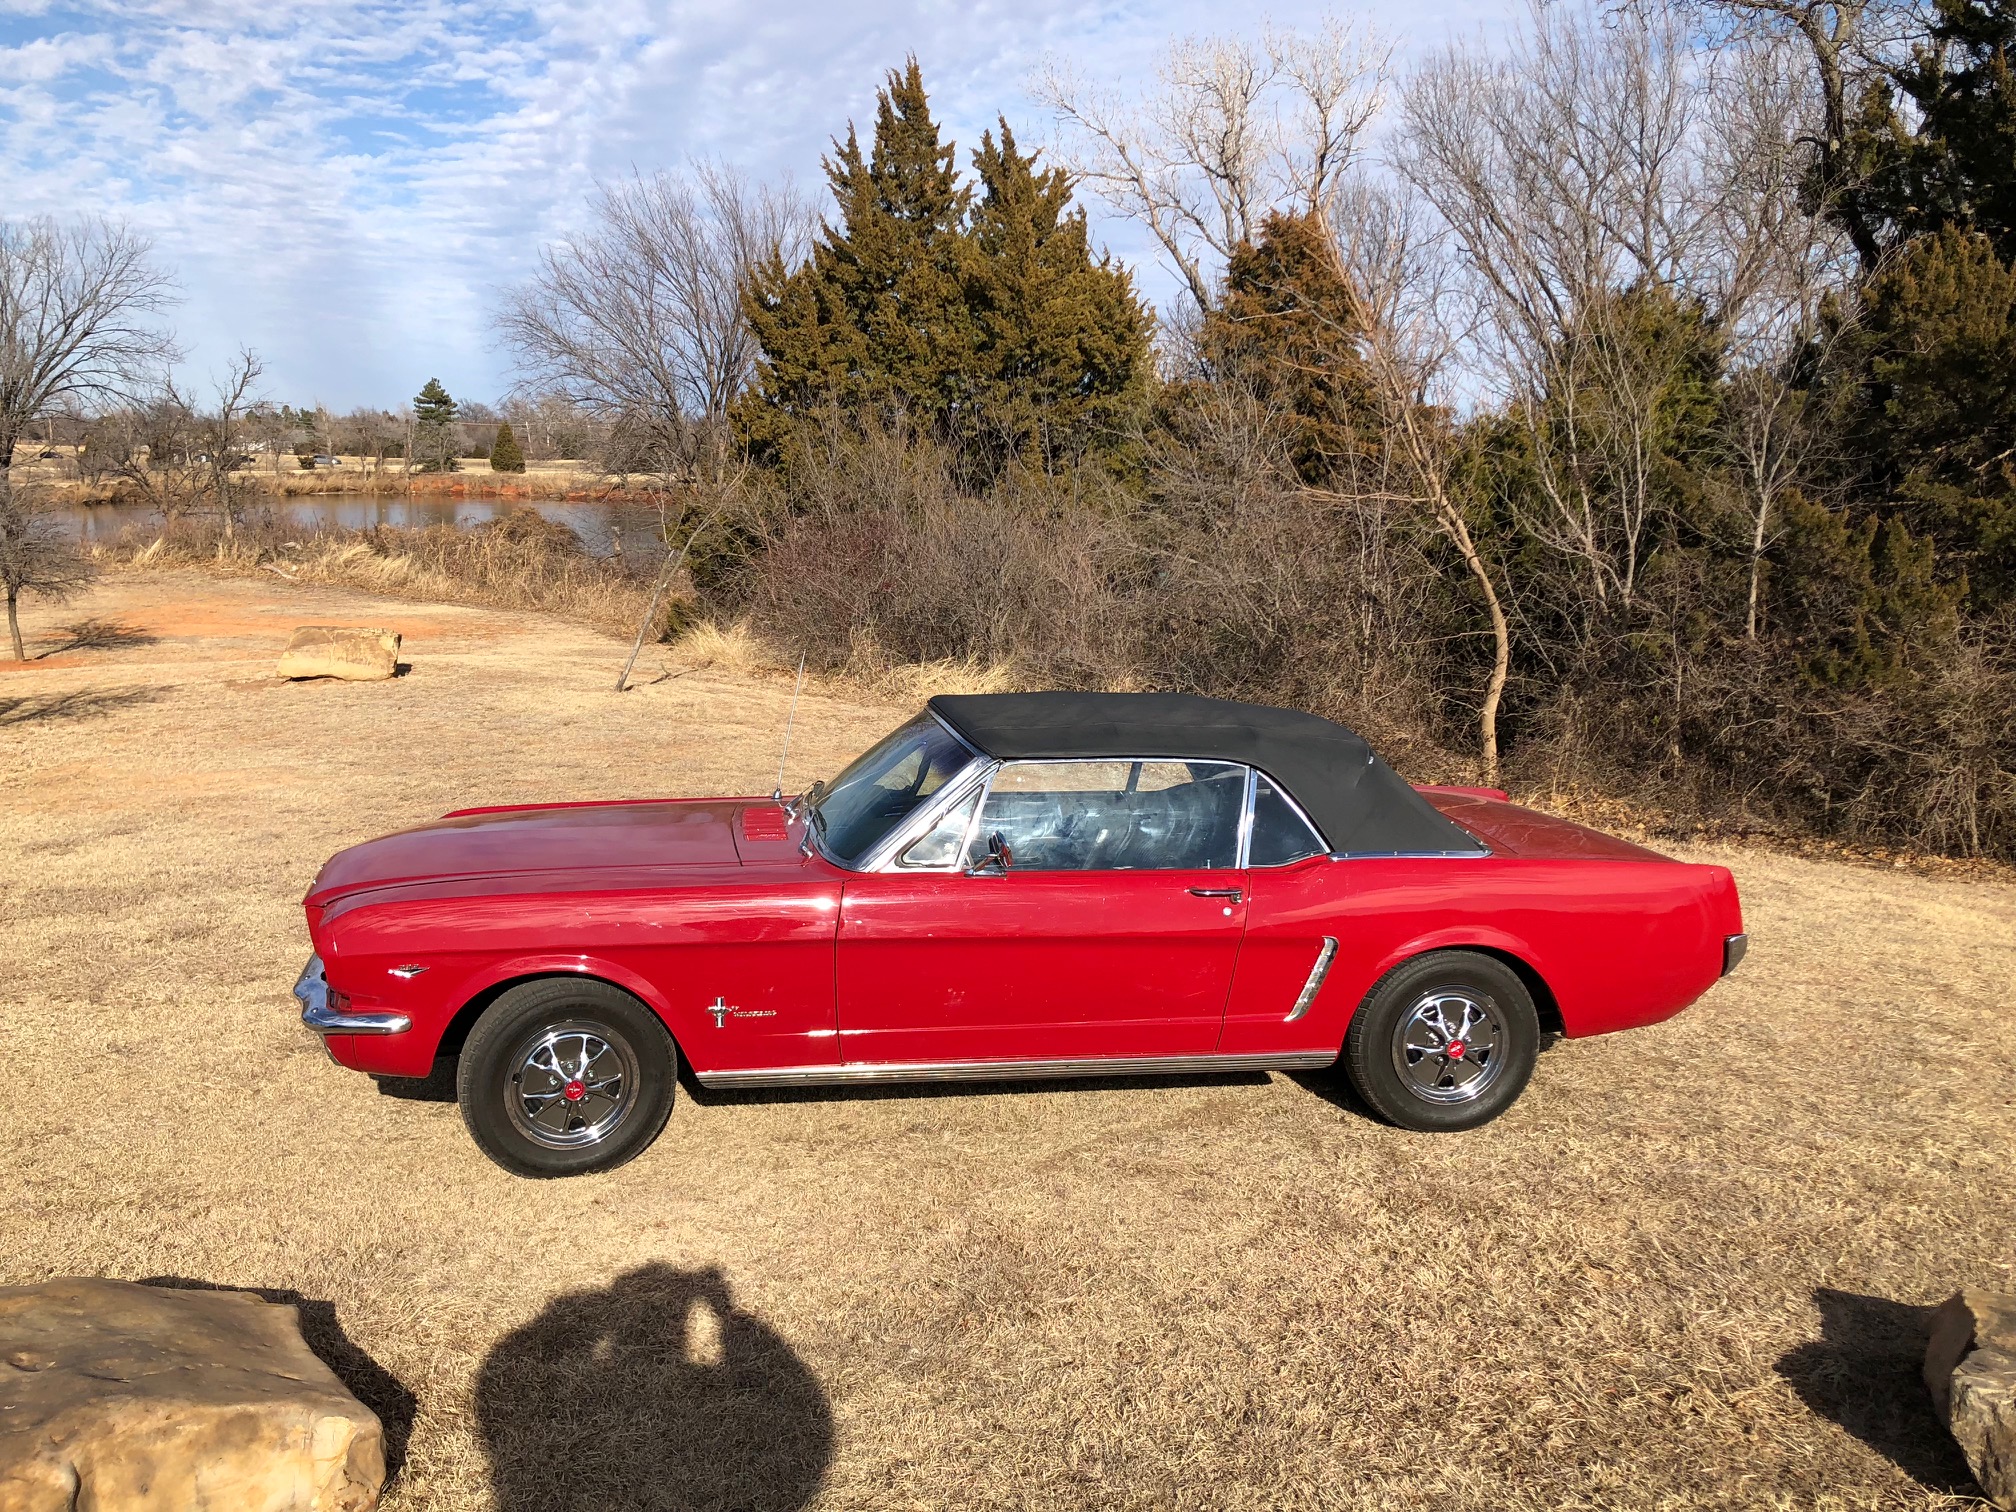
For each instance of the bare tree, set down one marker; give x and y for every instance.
(371, 434)
(1610, 238)
(150, 444)
(1848, 43)
(1397, 268)
(1229, 131)
(1793, 262)
(77, 310)
(222, 435)
(638, 320)
(36, 555)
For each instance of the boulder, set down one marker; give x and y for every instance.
(333, 651)
(1970, 1367)
(118, 1397)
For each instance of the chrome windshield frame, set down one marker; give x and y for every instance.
(976, 774)
(891, 845)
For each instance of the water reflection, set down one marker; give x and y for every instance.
(601, 528)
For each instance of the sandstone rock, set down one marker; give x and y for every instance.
(117, 1397)
(1970, 1366)
(333, 651)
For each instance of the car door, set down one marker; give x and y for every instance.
(1111, 931)
(1298, 922)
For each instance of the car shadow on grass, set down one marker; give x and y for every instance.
(1866, 1372)
(437, 1086)
(367, 1380)
(654, 1391)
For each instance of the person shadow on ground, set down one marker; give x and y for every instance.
(1866, 1372)
(654, 1392)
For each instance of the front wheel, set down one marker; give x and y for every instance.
(562, 1077)
(1444, 1042)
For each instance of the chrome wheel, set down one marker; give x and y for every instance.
(572, 1084)
(1447, 1046)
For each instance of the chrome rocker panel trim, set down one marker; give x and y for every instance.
(1012, 1070)
(312, 992)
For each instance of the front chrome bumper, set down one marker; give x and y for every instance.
(312, 990)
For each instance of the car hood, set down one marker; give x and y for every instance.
(559, 838)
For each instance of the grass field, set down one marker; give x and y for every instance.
(1688, 1270)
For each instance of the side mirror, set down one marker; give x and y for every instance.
(997, 860)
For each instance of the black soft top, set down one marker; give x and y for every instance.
(1359, 803)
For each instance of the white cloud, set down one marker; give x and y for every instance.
(343, 186)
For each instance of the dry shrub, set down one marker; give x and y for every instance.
(907, 570)
(1233, 580)
(733, 647)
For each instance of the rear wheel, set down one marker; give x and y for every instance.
(561, 1077)
(1444, 1042)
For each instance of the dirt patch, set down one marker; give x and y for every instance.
(1681, 1273)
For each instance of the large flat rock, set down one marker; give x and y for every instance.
(337, 651)
(1970, 1367)
(115, 1396)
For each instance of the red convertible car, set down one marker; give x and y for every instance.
(1010, 885)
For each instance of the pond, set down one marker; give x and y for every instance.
(601, 528)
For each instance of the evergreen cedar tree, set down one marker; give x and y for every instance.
(433, 434)
(505, 455)
(1958, 166)
(1286, 326)
(1932, 358)
(976, 313)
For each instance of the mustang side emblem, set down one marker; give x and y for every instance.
(723, 1011)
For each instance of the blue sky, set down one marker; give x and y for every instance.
(343, 186)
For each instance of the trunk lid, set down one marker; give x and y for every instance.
(1514, 831)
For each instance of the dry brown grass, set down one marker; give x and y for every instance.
(1686, 1271)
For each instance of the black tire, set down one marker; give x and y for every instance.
(1411, 1009)
(536, 1047)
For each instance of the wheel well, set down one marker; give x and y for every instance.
(1544, 1006)
(457, 1032)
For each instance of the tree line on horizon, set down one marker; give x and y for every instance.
(1639, 420)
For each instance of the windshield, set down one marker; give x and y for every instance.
(885, 786)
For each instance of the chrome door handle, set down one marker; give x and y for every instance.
(1217, 892)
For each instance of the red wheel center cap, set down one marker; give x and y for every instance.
(574, 1091)
(1456, 1049)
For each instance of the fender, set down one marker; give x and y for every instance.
(1467, 936)
(413, 1053)
(1458, 937)
(494, 973)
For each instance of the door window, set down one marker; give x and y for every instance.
(1280, 833)
(940, 847)
(1116, 815)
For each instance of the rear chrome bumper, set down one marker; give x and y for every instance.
(1734, 948)
(312, 991)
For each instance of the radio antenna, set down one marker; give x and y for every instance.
(777, 794)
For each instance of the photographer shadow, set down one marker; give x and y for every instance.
(652, 1392)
